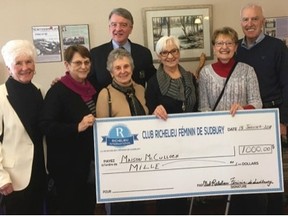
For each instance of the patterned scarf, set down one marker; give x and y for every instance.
(182, 89)
(135, 106)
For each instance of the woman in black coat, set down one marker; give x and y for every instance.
(67, 120)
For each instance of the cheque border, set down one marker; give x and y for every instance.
(100, 199)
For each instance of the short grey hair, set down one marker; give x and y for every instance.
(123, 13)
(14, 48)
(118, 53)
(163, 41)
(252, 5)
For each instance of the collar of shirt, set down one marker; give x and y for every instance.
(127, 46)
(258, 40)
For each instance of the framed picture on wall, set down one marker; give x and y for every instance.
(75, 34)
(46, 39)
(277, 27)
(191, 24)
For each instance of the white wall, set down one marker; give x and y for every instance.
(18, 16)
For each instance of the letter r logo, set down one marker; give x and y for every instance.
(119, 132)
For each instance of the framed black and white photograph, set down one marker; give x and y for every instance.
(277, 27)
(75, 34)
(191, 24)
(46, 40)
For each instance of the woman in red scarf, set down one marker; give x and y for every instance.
(67, 119)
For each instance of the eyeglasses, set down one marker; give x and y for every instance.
(221, 43)
(121, 24)
(173, 52)
(79, 63)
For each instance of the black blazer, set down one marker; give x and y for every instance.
(143, 65)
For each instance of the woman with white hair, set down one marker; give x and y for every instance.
(22, 167)
(171, 90)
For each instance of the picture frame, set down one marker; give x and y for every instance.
(277, 27)
(191, 24)
(46, 40)
(75, 34)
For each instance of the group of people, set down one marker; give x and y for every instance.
(118, 79)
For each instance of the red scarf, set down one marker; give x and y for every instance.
(86, 90)
(223, 69)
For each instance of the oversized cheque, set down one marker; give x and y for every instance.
(194, 154)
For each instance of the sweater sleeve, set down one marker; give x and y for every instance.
(282, 67)
(151, 94)
(203, 91)
(253, 92)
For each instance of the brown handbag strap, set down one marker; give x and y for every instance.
(109, 103)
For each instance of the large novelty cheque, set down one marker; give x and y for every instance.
(194, 154)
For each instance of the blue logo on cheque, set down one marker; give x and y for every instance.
(119, 135)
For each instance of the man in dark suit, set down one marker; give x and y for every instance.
(120, 27)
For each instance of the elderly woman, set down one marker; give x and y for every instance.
(22, 168)
(242, 89)
(241, 92)
(127, 97)
(66, 120)
(171, 90)
(123, 97)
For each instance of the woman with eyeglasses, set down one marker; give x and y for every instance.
(241, 92)
(171, 90)
(242, 89)
(67, 119)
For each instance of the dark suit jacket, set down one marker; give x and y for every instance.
(143, 65)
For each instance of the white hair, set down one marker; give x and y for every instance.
(252, 5)
(14, 48)
(163, 41)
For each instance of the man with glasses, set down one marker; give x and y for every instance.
(269, 57)
(120, 27)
